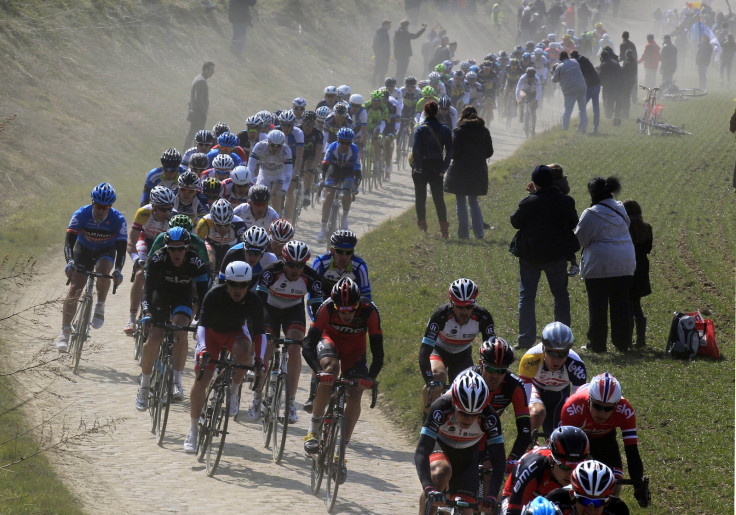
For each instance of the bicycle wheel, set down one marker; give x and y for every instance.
(672, 129)
(281, 405)
(164, 400)
(336, 461)
(266, 410)
(693, 92)
(527, 121)
(156, 388)
(332, 222)
(651, 120)
(318, 462)
(138, 340)
(297, 203)
(240, 397)
(206, 422)
(219, 428)
(81, 332)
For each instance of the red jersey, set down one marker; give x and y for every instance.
(576, 412)
(530, 478)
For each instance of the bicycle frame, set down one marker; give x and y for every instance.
(275, 410)
(651, 111)
(332, 220)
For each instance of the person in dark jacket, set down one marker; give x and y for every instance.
(381, 52)
(667, 61)
(431, 155)
(593, 84)
(402, 46)
(625, 45)
(239, 15)
(199, 102)
(641, 236)
(610, 74)
(702, 60)
(545, 221)
(628, 82)
(468, 172)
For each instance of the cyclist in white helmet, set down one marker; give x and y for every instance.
(271, 162)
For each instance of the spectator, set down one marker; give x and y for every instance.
(641, 236)
(732, 128)
(412, 8)
(431, 155)
(593, 86)
(441, 53)
(628, 82)
(607, 265)
(199, 102)
(667, 61)
(625, 45)
(239, 15)
(402, 47)
(544, 220)
(567, 73)
(610, 74)
(728, 48)
(702, 60)
(650, 58)
(468, 172)
(381, 52)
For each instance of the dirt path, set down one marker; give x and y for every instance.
(120, 469)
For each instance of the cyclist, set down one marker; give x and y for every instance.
(321, 113)
(280, 232)
(204, 140)
(228, 144)
(313, 146)
(96, 236)
(598, 408)
(438, 83)
(340, 167)
(235, 189)
(222, 165)
(251, 135)
(282, 288)
(458, 90)
(359, 116)
(496, 355)
(341, 262)
(329, 99)
(228, 311)
(252, 250)
(220, 230)
(446, 115)
(343, 93)
(446, 347)
(335, 346)
(295, 141)
(298, 106)
(514, 71)
(220, 128)
(198, 163)
(529, 89)
(257, 211)
(189, 200)
(591, 491)
(476, 90)
(447, 454)
(544, 469)
(488, 78)
(338, 119)
(211, 189)
(389, 132)
(150, 221)
(540, 506)
(196, 242)
(165, 175)
(548, 370)
(428, 93)
(168, 296)
(410, 95)
(271, 162)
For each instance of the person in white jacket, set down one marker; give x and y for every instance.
(607, 265)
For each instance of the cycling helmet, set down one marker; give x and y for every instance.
(540, 506)
(571, 32)
(177, 234)
(322, 113)
(428, 91)
(256, 238)
(471, 61)
(330, 90)
(341, 108)
(444, 102)
(551, 37)
(486, 64)
(598, 25)
(299, 102)
(447, 64)
(228, 139)
(221, 212)
(199, 161)
(356, 99)
(287, 117)
(162, 196)
(241, 175)
(434, 77)
(459, 73)
(223, 162)
(422, 84)
(104, 194)
(276, 137)
(171, 158)
(345, 294)
(503, 53)
(410, 80)
(183, 221)
(470, 392)
(390, 82)
(526, 55)
(309, 116)
(281, 230)
(259, 193)
(219, 128)
(496, 352)
(472, 76)
(440, 68)
(465, 66)
(538, 51)
(238, 271)
(295, 251)
(343, 92)
(211, 186)
(346, 133)
(376, 95)
(189, 180)
(593, 479)
(605, 388)
(569, 443)
(531, 70)
(474, 69)
(204, 137)
(514, 62)
(463, 292)
(266, 118)
(343, 239)
(557, 336)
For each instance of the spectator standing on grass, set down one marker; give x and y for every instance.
(667, 60)
(544, 220)
(572, 83)
(199, 102)
(628, 82)
(650, 59)
(381, 52)
(728, 48)
(641, 236)
(702, 60)
(732, 128)
(607, 265)
(239, 15)
(610, 75)
(625, 45)
(467, 175)
(402, 46)
(593, 86)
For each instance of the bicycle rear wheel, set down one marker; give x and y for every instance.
(164, 400)
(335, 462)
(281, 405)
(219, 429)
(80, 333)
(206, 422)
(267, 408)
(527, 121)
(139, 338)
(297, 203)
(332, 222)
(693, 92)
(318, 461)
(156, 390)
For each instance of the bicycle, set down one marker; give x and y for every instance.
(379, 166)
(366, 164)
(336, 208)
(216, 412)
(298, 190)
(162, 381)
(651, 111)
(455, 506)
(276, 401)
(404, 142)
(330, 458)
(672, 92)
(312, 193)
(648, 501)
(79, 331)
(140, 335)
(528, 119)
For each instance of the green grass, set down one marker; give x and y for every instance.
(684, 410)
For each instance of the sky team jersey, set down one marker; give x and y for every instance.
(94, 235)
(237, 253)
(195, 210)
(356, 270)
(532, 370)
(283, 293)
(270, 165)
(156, 178)
(576, 412)
(246, 214)
(444, 332)
(208, 232)
(146, 222)
(441, 425)
(349, 159)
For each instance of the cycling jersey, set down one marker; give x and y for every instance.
(533, 371)
(459, 92)
(397, 95)
(196, 244)
(156, 178)
(378, 117)
(513, 73)
(488, 82)
(220, 313)
(360, 120)
(476, 93)
(356, 270)
(392, 126)
(564, 500)
(237, 253)
(444, 331)
(229, 194)
(207, 231)
(331, 126)
(96, 235)
(196, 209)
(410, 98)
(349, 160)
(531, 477)
(245, 212)
(278, 291)
(146, 223)
(236, 151)
(532, 88)
(311, 141)
(294, 140)
(173, 282)
(420, 105)
(212, 154)
(269, 166)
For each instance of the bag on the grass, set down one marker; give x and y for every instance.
(683, 341)
(707, 331)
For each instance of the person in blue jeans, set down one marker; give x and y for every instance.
(572, 83)
(545, 221)
(593, 86)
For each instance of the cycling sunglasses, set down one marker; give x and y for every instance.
(587, 501)
(493, 370)
(566, 466)
(294, 265)
(238, 285)
(344, 252)
(556, 354)
(601, 407)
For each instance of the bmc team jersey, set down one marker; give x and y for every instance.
(445, 333)
(533, 371)
(98, 235)
(356, 270)
(246, 214)
(531, 477)
(282, 293)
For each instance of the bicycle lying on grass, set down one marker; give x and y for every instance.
(650, 118)
(672, 92)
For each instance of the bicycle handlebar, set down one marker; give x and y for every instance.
(94, 274)
(173, 327)
(206, 360)
(354, 382)
(283, 342)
